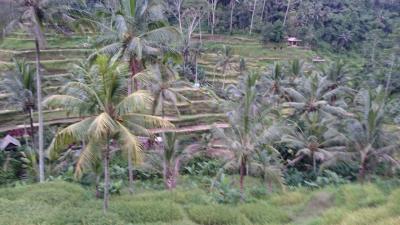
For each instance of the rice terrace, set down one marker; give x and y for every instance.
(200, 112)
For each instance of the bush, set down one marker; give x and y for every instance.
(262, 214)
(366, 216)
(272, 32)
(51, 193)
(84, 215)
(149, 211)
(289, 198)
(21, 212)
(330, 217)
(216, 215)
(357, 196)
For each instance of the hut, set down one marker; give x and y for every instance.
(9, 143)
(318, 60)
(293, 41)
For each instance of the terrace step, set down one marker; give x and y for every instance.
(195, 107)
(47, 64)
(191, 120)
(46, 54)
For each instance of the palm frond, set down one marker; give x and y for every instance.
(129, 143)
(69, 135)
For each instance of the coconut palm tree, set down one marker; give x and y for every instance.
(272, 84)
(19, 83)
(136, 33)
(111, 118)
(171, 154)
(312, 94)
(224, 62)
(367, 131)
(240, 139)
(337, 73)
(160, 80)
(319, 140)
(34, 14)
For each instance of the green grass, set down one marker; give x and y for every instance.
(57, 203)
(61, 42)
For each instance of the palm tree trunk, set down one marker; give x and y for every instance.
(252, 16)
(106, 159)
(97, 186)
(286, 14)
(130, 172)
(32, 134)
(362, 169)
(231, 19)
(242, 175)
(133, 85)
(263, 11)
(167, 176)
(40, 112)
(314, 164)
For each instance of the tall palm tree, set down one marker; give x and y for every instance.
(240, 138)
(337, 73)
(111, 118)
(171, 154)
(160, 81)
(318, 140)
(19, 83)
(367, 131)
(136, 33)
(34, 14)
(272, 85)
(312, 94)
(224, 62)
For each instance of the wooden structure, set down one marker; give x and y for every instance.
(9, 143)
(318, 60)
(293, 41)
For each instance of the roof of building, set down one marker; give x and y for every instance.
(5, 142)
(294, 39)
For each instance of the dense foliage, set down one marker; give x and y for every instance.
(298, 122)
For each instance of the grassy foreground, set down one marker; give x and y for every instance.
(65, 203)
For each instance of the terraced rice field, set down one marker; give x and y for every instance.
(202, 111)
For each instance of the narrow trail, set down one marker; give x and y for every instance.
(185, 129)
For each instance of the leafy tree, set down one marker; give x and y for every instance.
(370, 139)
(160, 80)
(224, 62)
(245, 134)
(171, 154)
(272, 32)
(312, 94)
(19, 83)
(34, 14)
(137, 33)
(318, 140)
(111, 118)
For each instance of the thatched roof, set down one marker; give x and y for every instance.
(293, 39)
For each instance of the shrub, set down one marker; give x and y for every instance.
(261, 214)
(332, 216)
(366, 216)
(21, 212)
(52, 193)
(216, 215)
(272, 32)
(289, 198)
(148, 211)
(357, 196)
(389, 221)
(84, 216)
